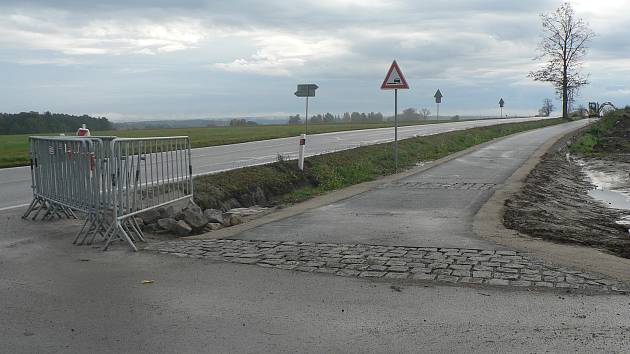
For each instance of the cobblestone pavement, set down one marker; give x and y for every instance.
(445, 265)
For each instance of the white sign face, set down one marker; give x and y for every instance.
(394, 79)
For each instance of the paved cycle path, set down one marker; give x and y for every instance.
(433, 208)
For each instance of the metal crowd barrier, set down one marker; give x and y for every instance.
(108, 179)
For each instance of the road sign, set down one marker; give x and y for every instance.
(438, 99)
(306, 90)
(501, 103)
(438, 96)
(394, 79)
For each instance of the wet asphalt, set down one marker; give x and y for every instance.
(433, 208)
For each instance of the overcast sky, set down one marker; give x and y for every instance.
(158, 59)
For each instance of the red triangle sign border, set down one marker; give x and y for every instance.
(402, 85)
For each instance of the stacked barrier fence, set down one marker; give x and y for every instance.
(109, 180)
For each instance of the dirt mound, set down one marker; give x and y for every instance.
(554, 205)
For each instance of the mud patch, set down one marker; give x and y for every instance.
(555, 205)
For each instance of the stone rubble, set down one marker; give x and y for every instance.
(192, 220)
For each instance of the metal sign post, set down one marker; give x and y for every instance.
(438, 99)
(304, 90)
(395, 130)
(501, 104)
(395, 80)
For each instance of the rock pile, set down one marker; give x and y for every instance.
(192, 219)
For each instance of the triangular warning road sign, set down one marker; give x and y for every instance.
(394, 79)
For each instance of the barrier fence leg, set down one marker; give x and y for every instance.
(81, 232)
(136, 227)
(119, 229)
(42, 206)
(99, 229)
(30, 208)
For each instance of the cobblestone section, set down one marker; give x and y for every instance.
(447, 265)
(439, 185)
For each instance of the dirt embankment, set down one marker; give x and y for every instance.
(554, 204)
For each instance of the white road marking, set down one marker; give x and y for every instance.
(14, 207)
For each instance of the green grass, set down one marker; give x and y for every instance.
(282, 182)
(14, 148)
(584, 144)
(608, 137)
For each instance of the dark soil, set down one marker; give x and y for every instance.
(554, 205)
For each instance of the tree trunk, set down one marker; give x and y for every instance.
(565, 96)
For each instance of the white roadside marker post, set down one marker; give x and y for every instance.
(304, 90)
(301, 152)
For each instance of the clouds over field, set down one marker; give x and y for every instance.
(215, 58)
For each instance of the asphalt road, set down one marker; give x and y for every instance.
(59, 298)
(432, 208)
(15, 182)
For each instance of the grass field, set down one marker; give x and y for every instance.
(14, 148)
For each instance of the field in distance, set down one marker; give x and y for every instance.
(14, 148)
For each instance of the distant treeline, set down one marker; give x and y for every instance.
(346, 117)
(35, 122)
(409, 114)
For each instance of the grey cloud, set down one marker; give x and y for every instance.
(472, 49)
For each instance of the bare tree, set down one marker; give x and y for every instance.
(425, 113)
(563, 46)
(546, 108)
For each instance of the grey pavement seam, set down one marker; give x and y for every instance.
(446, 265)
